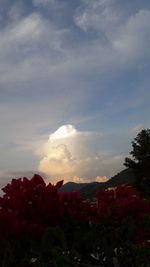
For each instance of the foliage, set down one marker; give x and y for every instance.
(40, 226)
(141, 160)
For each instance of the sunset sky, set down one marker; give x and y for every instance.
(74, 86)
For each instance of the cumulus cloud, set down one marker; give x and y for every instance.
(74, 155)
(60, 153)
(58, 161)
(64, 131)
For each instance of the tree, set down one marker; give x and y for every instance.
(140, 161)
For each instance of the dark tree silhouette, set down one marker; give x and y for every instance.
(140, 161)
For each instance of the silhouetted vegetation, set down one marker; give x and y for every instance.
(140, 161)
(43, 227)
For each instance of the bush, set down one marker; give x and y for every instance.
(40, 226)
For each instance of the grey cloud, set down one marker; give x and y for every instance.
(34, 49)
(21, 43)
(125, 40)
(54, 4)
(99, 16)
(134, 38)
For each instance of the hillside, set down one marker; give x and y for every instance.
(88, 190)
(124, 177)
(72, 186)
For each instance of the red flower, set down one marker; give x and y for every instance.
(37, 179)
(59, 184)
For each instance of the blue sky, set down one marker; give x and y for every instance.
(82, 65)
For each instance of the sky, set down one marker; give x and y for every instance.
(74, 86)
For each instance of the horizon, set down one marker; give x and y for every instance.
(74, 86)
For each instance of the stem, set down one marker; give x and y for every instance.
(4, 259)
(116, 262)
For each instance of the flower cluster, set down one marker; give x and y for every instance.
(125, 199)
(30, 206)
(31, 210)
(122, 203)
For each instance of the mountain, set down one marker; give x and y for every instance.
(124, 177)
(72, 186)
(88, 190)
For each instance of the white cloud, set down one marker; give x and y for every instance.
(64, 131)
(58, 162)
(70, 153)
(60, 152)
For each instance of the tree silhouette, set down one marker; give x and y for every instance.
(140, 161)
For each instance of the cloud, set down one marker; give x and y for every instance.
(42, 2)
(53, 4)
(30, 49)
(101, 179)
(60, 153)
(17, 11)
(44, 51)
(124, 37)
(99, 16)
(58, 161)
(64, 131)
(80, 62)
(135, 130)
(134, 37)
(24, 31)
(75, 155)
